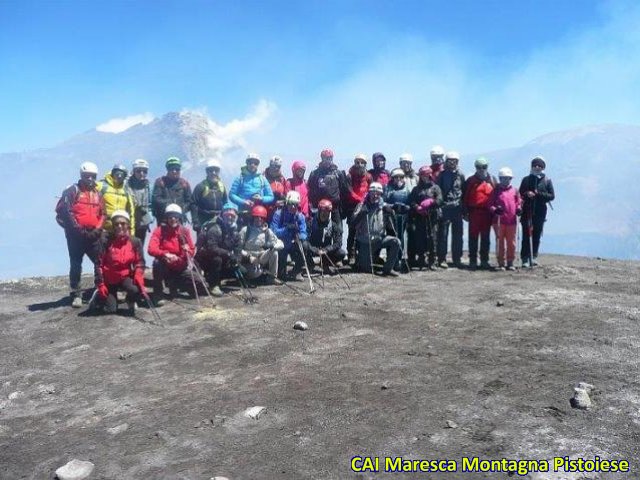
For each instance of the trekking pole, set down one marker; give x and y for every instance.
(366, 219)
(191, 267)
(203, 281)
(304, 259)
(248, 296)
(286, 284)
(154, 310)
(336, 269)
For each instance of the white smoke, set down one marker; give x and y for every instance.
(117, 125)
(209, 139)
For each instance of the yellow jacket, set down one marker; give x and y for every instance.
(116, 198)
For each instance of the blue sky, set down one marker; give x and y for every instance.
(406, 74)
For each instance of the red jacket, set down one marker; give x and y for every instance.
(165, 239)
(300, 186)
(380, 175)
(122, 258)
(477, 192)
(82, 208)
(359, 186)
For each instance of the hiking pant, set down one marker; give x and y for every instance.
(401, 227)
(267, 258)
(351, 235)
(174, 279)
(424, 239)
(454, 220)
(506, 240)
(296, 256)
(391, 244)
(79, 245)
(335, 256)
(538, 225)
(479, 229)
(213, 266)
(141, 233)
(111, 302)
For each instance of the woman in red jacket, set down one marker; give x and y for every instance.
(120, 267)
(171, 245)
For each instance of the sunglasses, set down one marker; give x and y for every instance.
(213, 170)
(89, 175)
(141, 170)
(173, 169)
(484, 167)
(121, 224)
(253, 162)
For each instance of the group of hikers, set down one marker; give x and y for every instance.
(264, 219)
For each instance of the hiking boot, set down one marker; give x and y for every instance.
(443, 265)
(76, 302)
(500, 268)
(432, 267)
(131, 308)
(158, 301)
(473, 264)
(534, 261)
(269, 280)
(526, 264)
(485, 266)
(458, 264)
(215, 291)
(510, 267)
(389, 273)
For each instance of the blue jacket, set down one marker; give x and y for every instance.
(247, 185)
(280, 223)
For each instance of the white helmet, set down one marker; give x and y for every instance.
(397, 172)
(375, 187)
(213, 163)
(406, 157)
(140, 163)
(88, 167)
(173, 208)
(481, 162)
(253, 156)
(505, 172)
(360, 156)
(293, 198)
(120, 213)
(453, 155)
(275, 161)
(436, 150)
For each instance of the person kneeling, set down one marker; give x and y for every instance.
(374, 222)
(219, 246)
(290, 227)
(325, 238)
(172, 247)
(259, 246)
(120, 267)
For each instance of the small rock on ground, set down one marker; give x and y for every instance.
(585, 386)
(300, 325)
(499, 303)
(254, 412)
(451, 424)
(580, 399)
(118, 429)
(75, 470)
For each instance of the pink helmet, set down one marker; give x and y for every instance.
(297, 164)
(426, 170)
(326, 153)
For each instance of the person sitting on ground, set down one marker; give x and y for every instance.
(506, 205)
(208, 196)
(116, 196)
(138, 186)
(397, 195)
(171, 245)
(259, 246)
(425, 201)
(325, 238)
(120, 267)
(171, 189)
(81, 212)
(375, 230)
(219, 247)
(290, 227)
(250, 188)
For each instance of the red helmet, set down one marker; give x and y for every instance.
(259, 211)
(325, 204)
(326, 153)
(425, 171)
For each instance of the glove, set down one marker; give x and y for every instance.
(425, 205)
(499, 210)
(103, 291)
(138, 280)
(268, 245)
(244, 253)
(518, 211)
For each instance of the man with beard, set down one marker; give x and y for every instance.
(451, 182)
(171, 189)
(208, 196)
(138, 186)
(397, 195)
(327, 181)
(379, 173)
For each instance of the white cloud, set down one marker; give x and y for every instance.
(117, 125)
(415, 94)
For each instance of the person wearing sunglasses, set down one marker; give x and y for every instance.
(209, 196)
(451, 180)
(138, 185)
(171, 189)
(116, 195)
(120, 267)
(81, 212)
(251, 188)
(477, 193)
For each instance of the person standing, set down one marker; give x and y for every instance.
(477, 192)
(298, 184)
(138, 185)
(505, 205)
(451, 183)
(397, 195)
(277, 182)
(208, 196)
(410, 176)
(358, 180)
(328, 182)
(537, 191)
(251, 188)
(425, 201)
(171, 189)
(437, 161)
(379, 173)
(81, 212)
(117, 196)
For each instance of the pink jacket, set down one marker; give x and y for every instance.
(508, 200)
(300, 186)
